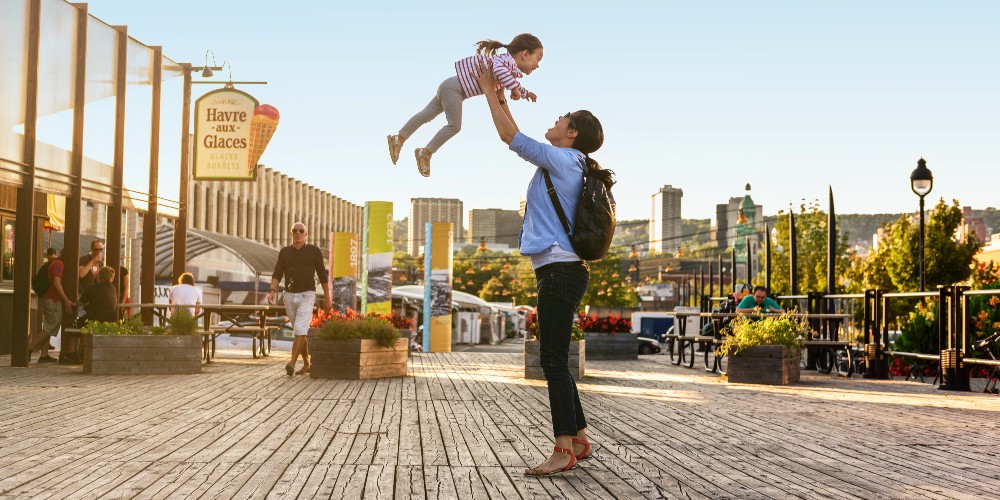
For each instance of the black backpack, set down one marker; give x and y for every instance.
(594, 221)
(40, 283)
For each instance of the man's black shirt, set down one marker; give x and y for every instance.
(297, 267)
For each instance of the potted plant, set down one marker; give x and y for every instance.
(609, 338)
(402, 323)
(764, 350)
(532, 360)
(127, 347)
(355, 346)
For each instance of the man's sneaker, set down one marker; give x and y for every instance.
(69, 359)
(47, 359)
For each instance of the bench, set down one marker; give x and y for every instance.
(260, 344)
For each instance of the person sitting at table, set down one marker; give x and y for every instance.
(101, 298)
(759, 302)
(185, 293)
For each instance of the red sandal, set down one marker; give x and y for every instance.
(572, 463)
(586, 453)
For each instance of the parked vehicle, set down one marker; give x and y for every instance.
(652, 325)
(648, 346)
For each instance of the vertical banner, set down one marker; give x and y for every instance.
(344, 270)
(376, 281)
(437, 284)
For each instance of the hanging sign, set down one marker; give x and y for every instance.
(222, 135)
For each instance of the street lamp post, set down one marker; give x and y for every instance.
(921, 182)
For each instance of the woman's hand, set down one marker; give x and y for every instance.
(485, 76)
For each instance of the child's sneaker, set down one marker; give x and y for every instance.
(423, 161)
(395, 145)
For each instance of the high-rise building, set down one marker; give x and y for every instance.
(424, 210)
(494, 225)
(665, 222)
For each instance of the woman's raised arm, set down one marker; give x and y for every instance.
(502, 118)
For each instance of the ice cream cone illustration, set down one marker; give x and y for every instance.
(262, 127)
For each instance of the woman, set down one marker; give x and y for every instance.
(101, 298)
(562, 276)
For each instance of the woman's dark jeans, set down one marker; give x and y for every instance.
(561, 286)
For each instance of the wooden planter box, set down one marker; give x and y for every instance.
(765, 364)
(141, 354)
(533, 367)
(356, 359)
(605, 346)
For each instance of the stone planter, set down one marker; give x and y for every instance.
(765, 364)
(617, 347)
(356, 359)
(141, 354)
(533, 367)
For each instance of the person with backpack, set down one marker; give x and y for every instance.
(54, 299)
(549, 239)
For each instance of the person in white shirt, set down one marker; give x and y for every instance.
(185, 293)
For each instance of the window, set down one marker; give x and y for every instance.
(7, 249)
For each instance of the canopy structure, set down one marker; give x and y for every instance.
(259, 258)
(458, 299)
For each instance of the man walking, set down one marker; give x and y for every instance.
(53, 302)
(298, 263)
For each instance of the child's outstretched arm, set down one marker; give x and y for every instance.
(506, 78)
(502, 118)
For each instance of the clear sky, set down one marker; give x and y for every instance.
(790, 96)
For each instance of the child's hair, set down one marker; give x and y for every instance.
(590, 138)
(524, 41)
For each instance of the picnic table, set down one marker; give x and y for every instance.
(245, 320)
(826, 347)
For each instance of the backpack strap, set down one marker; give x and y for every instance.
(551, 190)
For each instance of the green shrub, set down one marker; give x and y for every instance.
(183, 323)
(127, 326)
(339, 328)
(749, 331)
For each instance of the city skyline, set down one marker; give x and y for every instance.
(789, 97)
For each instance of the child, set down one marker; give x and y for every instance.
(523, 54)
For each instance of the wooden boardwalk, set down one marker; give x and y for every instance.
(465, 425)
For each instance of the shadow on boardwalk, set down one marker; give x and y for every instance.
(466, 424)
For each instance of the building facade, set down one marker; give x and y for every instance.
(264, 210)
(494, 225)
(424, 210)
(665, 221)
(726, 218)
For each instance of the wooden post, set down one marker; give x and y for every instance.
(180, 227)
(767, 257)
(113, 243)
(24, 226)
(793, 277)
(71, 243)
(148, 276)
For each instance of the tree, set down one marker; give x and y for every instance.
(607, 285)
(811, 240)
(895, 265)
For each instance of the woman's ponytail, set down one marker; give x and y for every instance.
(594, 168)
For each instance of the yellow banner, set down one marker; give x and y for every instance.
(441, 334)
(376, 281)
(440, 284)
(345, 255)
